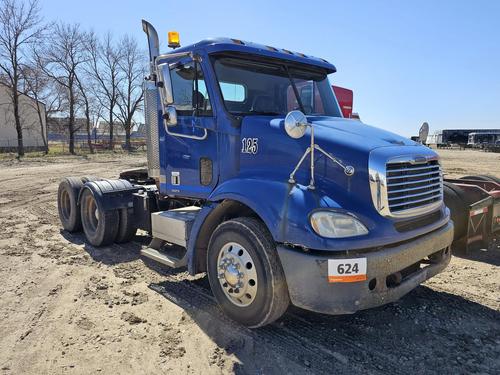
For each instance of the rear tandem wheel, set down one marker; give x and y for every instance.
(100, 227)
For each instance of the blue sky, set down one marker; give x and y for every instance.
(407, 62)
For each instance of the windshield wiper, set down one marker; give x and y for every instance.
(262, 113)
(269, 113)
(295, 90)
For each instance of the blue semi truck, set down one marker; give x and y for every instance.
(255, 178)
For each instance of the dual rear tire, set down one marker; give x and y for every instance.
(78, 209)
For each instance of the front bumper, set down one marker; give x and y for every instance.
(307, 274)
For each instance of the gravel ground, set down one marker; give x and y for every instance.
(67, 307)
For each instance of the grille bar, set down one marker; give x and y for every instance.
(416, 182)
(416, 201)
(412, 169)
(415, 188)
(399, 177)
(415, 195)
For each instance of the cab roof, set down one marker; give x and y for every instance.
(219, 45)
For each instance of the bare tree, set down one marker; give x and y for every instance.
(104, 67)
(20, 27)
(130, 93)
(87, 108)
(37, 85)
(61, 60)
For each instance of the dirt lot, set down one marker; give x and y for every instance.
(67, 307)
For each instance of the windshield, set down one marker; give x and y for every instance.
(253, 87)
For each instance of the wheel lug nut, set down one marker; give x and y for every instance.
(236, 290)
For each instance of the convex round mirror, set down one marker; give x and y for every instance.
(170, 115)
(295, 124)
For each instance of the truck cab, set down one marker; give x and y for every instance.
(256, 178)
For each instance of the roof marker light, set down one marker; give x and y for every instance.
(173, 39)
(237, 41)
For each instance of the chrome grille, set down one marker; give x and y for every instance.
(412, 186)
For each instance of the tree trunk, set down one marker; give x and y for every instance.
(17, 118)
(40, 119)
(71, 120)
(47, 129)
(111, 129)
(89, 135)
(127, 136)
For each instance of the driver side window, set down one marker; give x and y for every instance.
(189, 90)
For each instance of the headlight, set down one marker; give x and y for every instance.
(336, 225)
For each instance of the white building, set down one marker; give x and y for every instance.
(30, 122)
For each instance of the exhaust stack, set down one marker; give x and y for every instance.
(151, 103)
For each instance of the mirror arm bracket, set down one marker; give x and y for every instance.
(348, 169)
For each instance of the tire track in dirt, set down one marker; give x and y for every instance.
(293, 337)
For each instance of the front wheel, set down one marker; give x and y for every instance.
(245, 273)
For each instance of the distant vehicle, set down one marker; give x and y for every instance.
(482, 139)
(345, 99)
(448, 137)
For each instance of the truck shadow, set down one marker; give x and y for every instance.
(109, 255)
(491, 255)
(425, 332)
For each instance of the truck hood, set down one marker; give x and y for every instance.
(349, 141)
(355, 134)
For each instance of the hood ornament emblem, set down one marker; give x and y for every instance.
(295, 126)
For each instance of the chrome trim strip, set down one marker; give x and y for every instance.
(180, 135)
(411, 212)
(417, 182)
(414, 195)
(415, 188)
(415, 201)
(413, 175)
(413, 169)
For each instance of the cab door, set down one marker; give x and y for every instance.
(190, 147)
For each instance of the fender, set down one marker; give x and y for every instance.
(284, 208)
(111, 194)
(194, 233)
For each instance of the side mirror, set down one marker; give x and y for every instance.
(166, 95)
(170, 115)
(295, 124)
(165, 84)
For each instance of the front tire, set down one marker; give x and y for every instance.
(245, 273)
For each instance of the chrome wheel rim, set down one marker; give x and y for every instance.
(65, 205)
(237, 274)
(91, 213)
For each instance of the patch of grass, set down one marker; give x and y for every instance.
(59, 149)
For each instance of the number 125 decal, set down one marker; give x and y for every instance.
(249, 145)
